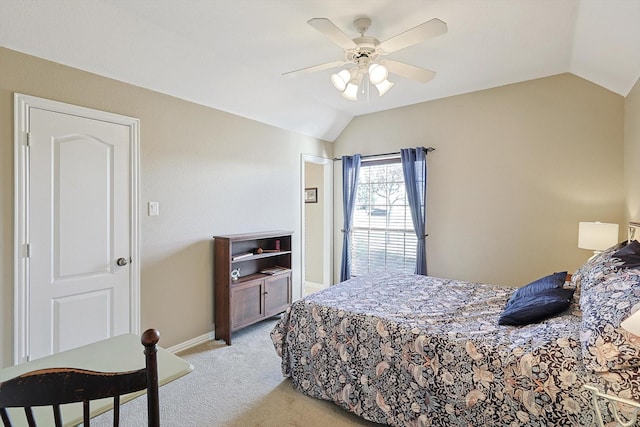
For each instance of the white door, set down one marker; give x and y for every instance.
(78, 202)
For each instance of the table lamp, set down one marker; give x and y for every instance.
(597, 236)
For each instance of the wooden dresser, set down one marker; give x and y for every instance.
(252, 279)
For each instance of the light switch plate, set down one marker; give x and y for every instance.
(154, 208)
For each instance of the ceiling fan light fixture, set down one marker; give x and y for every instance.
(378, 73)
(363, 53)
(351, 92)
(341, 79)
(384, 86)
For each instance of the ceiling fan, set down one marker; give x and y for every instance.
(365, 52)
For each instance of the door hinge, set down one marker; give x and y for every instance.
(27, 250)
(28, 143)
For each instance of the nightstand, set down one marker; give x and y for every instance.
(627, 421)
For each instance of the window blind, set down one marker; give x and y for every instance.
(383, 237)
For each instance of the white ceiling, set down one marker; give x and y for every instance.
(230, 54)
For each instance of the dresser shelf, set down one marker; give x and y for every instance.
(259, 256)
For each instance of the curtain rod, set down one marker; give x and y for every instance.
(428, 150)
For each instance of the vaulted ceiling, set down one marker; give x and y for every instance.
(231, 54)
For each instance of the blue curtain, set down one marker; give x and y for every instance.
(350, 172)
(414, 168)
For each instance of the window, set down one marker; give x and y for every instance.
(383, 237)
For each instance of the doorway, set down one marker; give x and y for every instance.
(317, 234)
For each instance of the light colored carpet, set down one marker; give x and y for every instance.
(236, 386)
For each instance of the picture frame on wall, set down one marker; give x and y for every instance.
(311, 195)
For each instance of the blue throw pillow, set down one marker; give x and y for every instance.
(629, 255)
(535, 308)
(552, 281)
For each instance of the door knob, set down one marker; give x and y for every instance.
(122, 262)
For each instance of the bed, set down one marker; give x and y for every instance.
(408, 350)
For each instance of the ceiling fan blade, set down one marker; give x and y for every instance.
(314, 68)
(409, 71)
(334, 33)
(415, 35)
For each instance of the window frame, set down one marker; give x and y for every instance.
(388, 230)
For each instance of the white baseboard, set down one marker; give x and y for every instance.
(209, 336)
(314, 285)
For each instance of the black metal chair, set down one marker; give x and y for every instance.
(57, 386)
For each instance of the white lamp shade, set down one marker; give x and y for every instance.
(632, 323)
(597, 236)
(377, 73)
(341, 79)
(351, 92)
(384, 86)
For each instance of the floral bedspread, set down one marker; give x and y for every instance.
(409, 350)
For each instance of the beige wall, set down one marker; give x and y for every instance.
(212, 172)
(632, 153)
(514, 171)
(313, 224)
